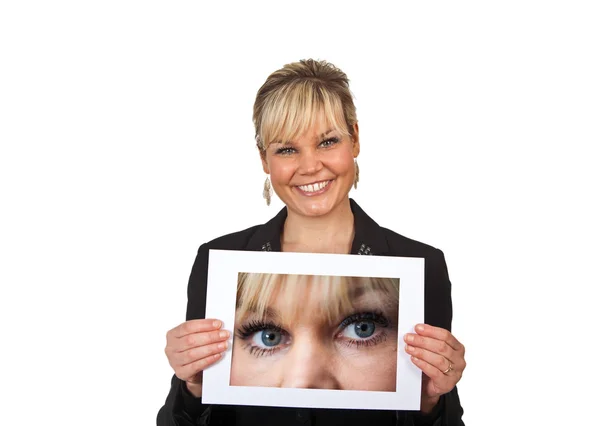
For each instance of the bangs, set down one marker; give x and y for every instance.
(335, 295)
(296, 108)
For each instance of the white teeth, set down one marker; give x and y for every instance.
(314, 187)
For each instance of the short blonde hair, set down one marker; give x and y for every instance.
(335, 293)
(297, 95)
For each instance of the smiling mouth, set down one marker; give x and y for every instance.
(314, 188)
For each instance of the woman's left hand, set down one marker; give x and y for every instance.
(441, 358)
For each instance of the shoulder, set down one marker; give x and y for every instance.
(385, 241)
(196, 291)
(253, 238)
(234, 241)
(438, 298)
(381, 240)
(435, 260)
(399, 245)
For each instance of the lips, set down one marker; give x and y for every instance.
(314, 188)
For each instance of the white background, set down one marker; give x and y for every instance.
(127, 141)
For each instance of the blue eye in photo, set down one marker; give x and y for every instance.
(364, 329)
(263, 338)
(270, 338)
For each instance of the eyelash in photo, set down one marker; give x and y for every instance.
(246, 331)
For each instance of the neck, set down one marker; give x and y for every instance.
(331, 233)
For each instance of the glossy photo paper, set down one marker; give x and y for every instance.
(315, 330)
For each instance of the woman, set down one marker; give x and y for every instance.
(341, 326)
(308, 140)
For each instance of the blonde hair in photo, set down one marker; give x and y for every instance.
(335, 294)
(293, 98)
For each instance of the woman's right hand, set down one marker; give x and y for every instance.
(193, 346)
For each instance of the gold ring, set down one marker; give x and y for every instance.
(449, 369)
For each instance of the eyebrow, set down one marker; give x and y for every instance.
(358, 302)
(269, 314)
(361, 290)
(326, 133)
(321, 136)
(357, 292)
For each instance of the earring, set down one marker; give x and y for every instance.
(356, 174)
(267, 191)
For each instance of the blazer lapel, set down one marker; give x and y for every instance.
(369, 237)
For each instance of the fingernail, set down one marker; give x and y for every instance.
(420, 327)
(410, 348)
(410, 337)
(222, 345)
(224, 334)
(216, 323)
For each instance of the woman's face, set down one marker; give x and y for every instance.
(314, 173)
(356, 350)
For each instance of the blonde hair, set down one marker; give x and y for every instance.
(293, 98)
(255, 292)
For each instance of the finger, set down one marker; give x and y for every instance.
(439, 347)
(440, 380)
(196, 326)
(438, 361)
(201, 339)
(192, 355)
(189, 371)
(439, 334)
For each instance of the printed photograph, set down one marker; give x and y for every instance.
(315, 332)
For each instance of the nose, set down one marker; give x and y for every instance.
(310, 163)
(310, 364)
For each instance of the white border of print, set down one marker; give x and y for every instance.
(223, 269)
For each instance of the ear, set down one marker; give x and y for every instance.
(263, 159)
(356, 141)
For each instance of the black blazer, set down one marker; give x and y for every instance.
(182, 409)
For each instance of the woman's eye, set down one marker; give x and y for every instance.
(360, 330)
(268, 341)
(330, 142)
(263, 339)
(267, 338)
(285, 151)
(364, 329)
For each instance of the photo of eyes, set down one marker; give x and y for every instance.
(315, 332)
